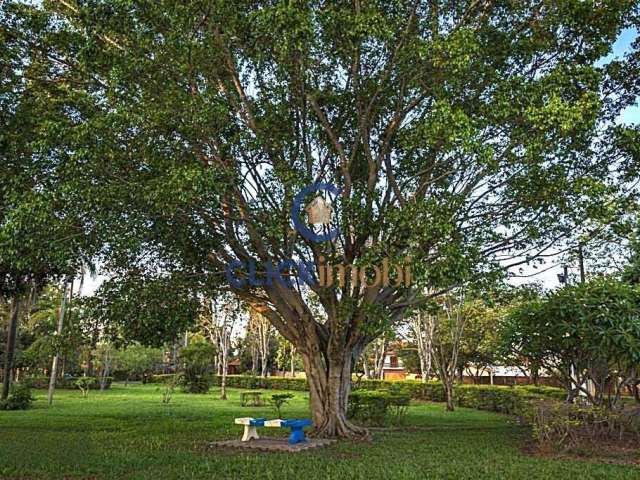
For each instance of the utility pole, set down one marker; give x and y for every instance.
(581, 263)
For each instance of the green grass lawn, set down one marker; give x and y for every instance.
(128, 433)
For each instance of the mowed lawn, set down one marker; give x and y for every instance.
(128, 433)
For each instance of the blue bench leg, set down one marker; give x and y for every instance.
(297, 436)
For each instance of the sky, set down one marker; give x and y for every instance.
(545, 274)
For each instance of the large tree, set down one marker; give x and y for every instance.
(41, 238)
(460, 139)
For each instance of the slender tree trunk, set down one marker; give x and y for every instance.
(293, 361)
(424, 370)
(380, 353)
(264, 336)
(534, 377)
(265, 367)
(448, 391)
(105, 374)
(56, 357)
(225, 363)
(106, 367)
(445, 353)
(423, 328)
(254, 359)
(11, 347)
(365, 366)
(223, 380)
(94, 343)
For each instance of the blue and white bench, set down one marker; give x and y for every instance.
(296, 426)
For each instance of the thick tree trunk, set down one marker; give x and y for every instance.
(11, 347)
(329, 387)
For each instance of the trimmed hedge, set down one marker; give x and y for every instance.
(432, 391)
(248, 382)
(509, 400)
(378, 407)
(42, 381)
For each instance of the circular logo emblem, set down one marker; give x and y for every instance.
(317, 210)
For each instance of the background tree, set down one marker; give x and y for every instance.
(222, 315)
(410, 359)
(42, 239)
(588, 334)
(262, 335)
(67, 291)
(422, 327)
(448, 330)
(286, 358)
(480, 343)
(136, 360)
(105, 360)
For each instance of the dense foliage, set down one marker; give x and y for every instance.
(589, 334)
(197, 359)
(20, 397)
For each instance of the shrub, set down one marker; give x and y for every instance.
(486, 397)
(278, 400)
(368, 407)
(269, 383)
(194, 383)
(84, 384)
(197, 357)
(168, 388)
(20, 397)
(37, 381)
(563, 426)
(398, 407)
(432, 391)
(161, 378)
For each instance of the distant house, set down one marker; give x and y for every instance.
(393, 368)
(497, 375)
(233, 367)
